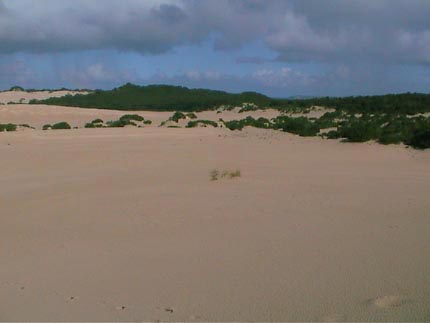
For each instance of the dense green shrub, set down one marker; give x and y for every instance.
(46, 127)
(248, 121)
(120, 123)
(195, 123)
(61, 125)
(156, 98)
(8, 127)
(147, 122)
(420, 139)
(300, 126)
(191, 115)
(177, 116)
(129, 117)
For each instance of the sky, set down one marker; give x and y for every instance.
(280, 48)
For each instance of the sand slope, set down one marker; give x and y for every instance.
(25, 97)
(37, 115)
(125, 225)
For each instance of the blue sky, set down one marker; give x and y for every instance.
(277, 47)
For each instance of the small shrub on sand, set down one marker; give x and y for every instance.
(61, 125)
(46, 127)
(234, 174)
(7, 127)
(147, 122)
(204, 123)
(214, 174)
(120, 123)
(177, 116)
(128, 117)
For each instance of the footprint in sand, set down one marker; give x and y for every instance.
(389, 301)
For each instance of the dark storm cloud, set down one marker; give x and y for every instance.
(382, 31)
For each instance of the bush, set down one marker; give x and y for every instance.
(333, 134)
(120, 123)
(191, 115)
(147, 122)
(195, 123)
(8, 127)
(215, 174)
(360, 130)
(128, 117)
(61, 125)
(177, 116)
(97, 121)
(300, 126)
(249, 121)
(420, 139)
(46, 127)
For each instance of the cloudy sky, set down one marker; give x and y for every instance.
(278, 47)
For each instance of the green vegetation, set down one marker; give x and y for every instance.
(249, 121)
(125, 120)
(387, 119)
(420, 139)
(406, 103)
(383, 128)
(157, 98)
(129, 117)
(215, 174)
(300, 126)
(61, 125)
(195, 123)
(120, 123)
(177, 116)
(16, 88)
(7, 127)
(46, 127)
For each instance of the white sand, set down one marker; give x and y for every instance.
(25, 97)
(125, 225)
(128, 217)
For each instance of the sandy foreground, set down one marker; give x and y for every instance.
(126, 225)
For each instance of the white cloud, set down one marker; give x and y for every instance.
(387, 31)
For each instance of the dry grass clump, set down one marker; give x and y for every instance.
(216, 174)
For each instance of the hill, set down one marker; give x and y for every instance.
(174, 98)
(157, 98)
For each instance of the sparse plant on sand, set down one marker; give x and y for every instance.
(216, 174)
(234, 174)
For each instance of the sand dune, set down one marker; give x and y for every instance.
(38, 115)
(126, 225)
(25, 97)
